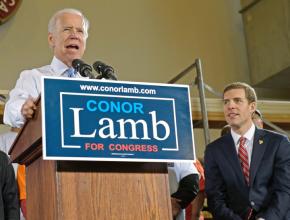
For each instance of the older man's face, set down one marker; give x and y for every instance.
(68, 40)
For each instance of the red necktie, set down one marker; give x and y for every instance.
(244, 159)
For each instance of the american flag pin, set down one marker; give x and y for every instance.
(261, 141)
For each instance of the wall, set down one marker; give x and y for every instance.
(268, 45)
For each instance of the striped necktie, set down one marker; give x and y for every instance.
(70, 72)
(244, 159)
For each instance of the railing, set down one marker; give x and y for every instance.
(200, 84)
(201, 88)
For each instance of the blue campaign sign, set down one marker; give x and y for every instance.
(86, 119)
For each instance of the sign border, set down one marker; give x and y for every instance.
(45, 157)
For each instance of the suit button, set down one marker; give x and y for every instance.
(252, 203)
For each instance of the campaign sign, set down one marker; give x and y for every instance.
(103, 120)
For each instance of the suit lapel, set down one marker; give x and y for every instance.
(259, 147)
(231, 155)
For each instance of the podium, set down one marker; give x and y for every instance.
(88, 190)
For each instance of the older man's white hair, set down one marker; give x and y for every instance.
(53, 19)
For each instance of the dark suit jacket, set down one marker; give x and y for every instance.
(9, 199)
(228, 195)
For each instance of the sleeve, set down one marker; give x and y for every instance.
(9, 190)
(25, 87)
(216, 189)
(188, 184)
(187, 190)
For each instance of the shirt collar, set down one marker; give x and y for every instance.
(249, 135)
(58, 66)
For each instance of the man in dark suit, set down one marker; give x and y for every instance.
(247, 171)
(9, 203)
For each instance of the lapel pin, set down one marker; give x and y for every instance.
(261, 141)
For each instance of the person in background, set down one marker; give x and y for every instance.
(21, 182)
(258, 119)
(247, 171)
(6, 141)
(9, 202)
(198, 210)
(194, 210)
(67, 35)
(226, 130)
(183, 183)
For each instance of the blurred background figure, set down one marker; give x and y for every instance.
(9, 200)
(183, 184)
(258, 119)
(6, 141)
(21, 182)
(226, 130)
(194, 210)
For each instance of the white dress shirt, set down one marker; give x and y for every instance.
(29, 85)
(249, 135)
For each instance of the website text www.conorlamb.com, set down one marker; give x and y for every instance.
(122, 89)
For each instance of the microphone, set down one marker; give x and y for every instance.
(84, 69)
(104, 70)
